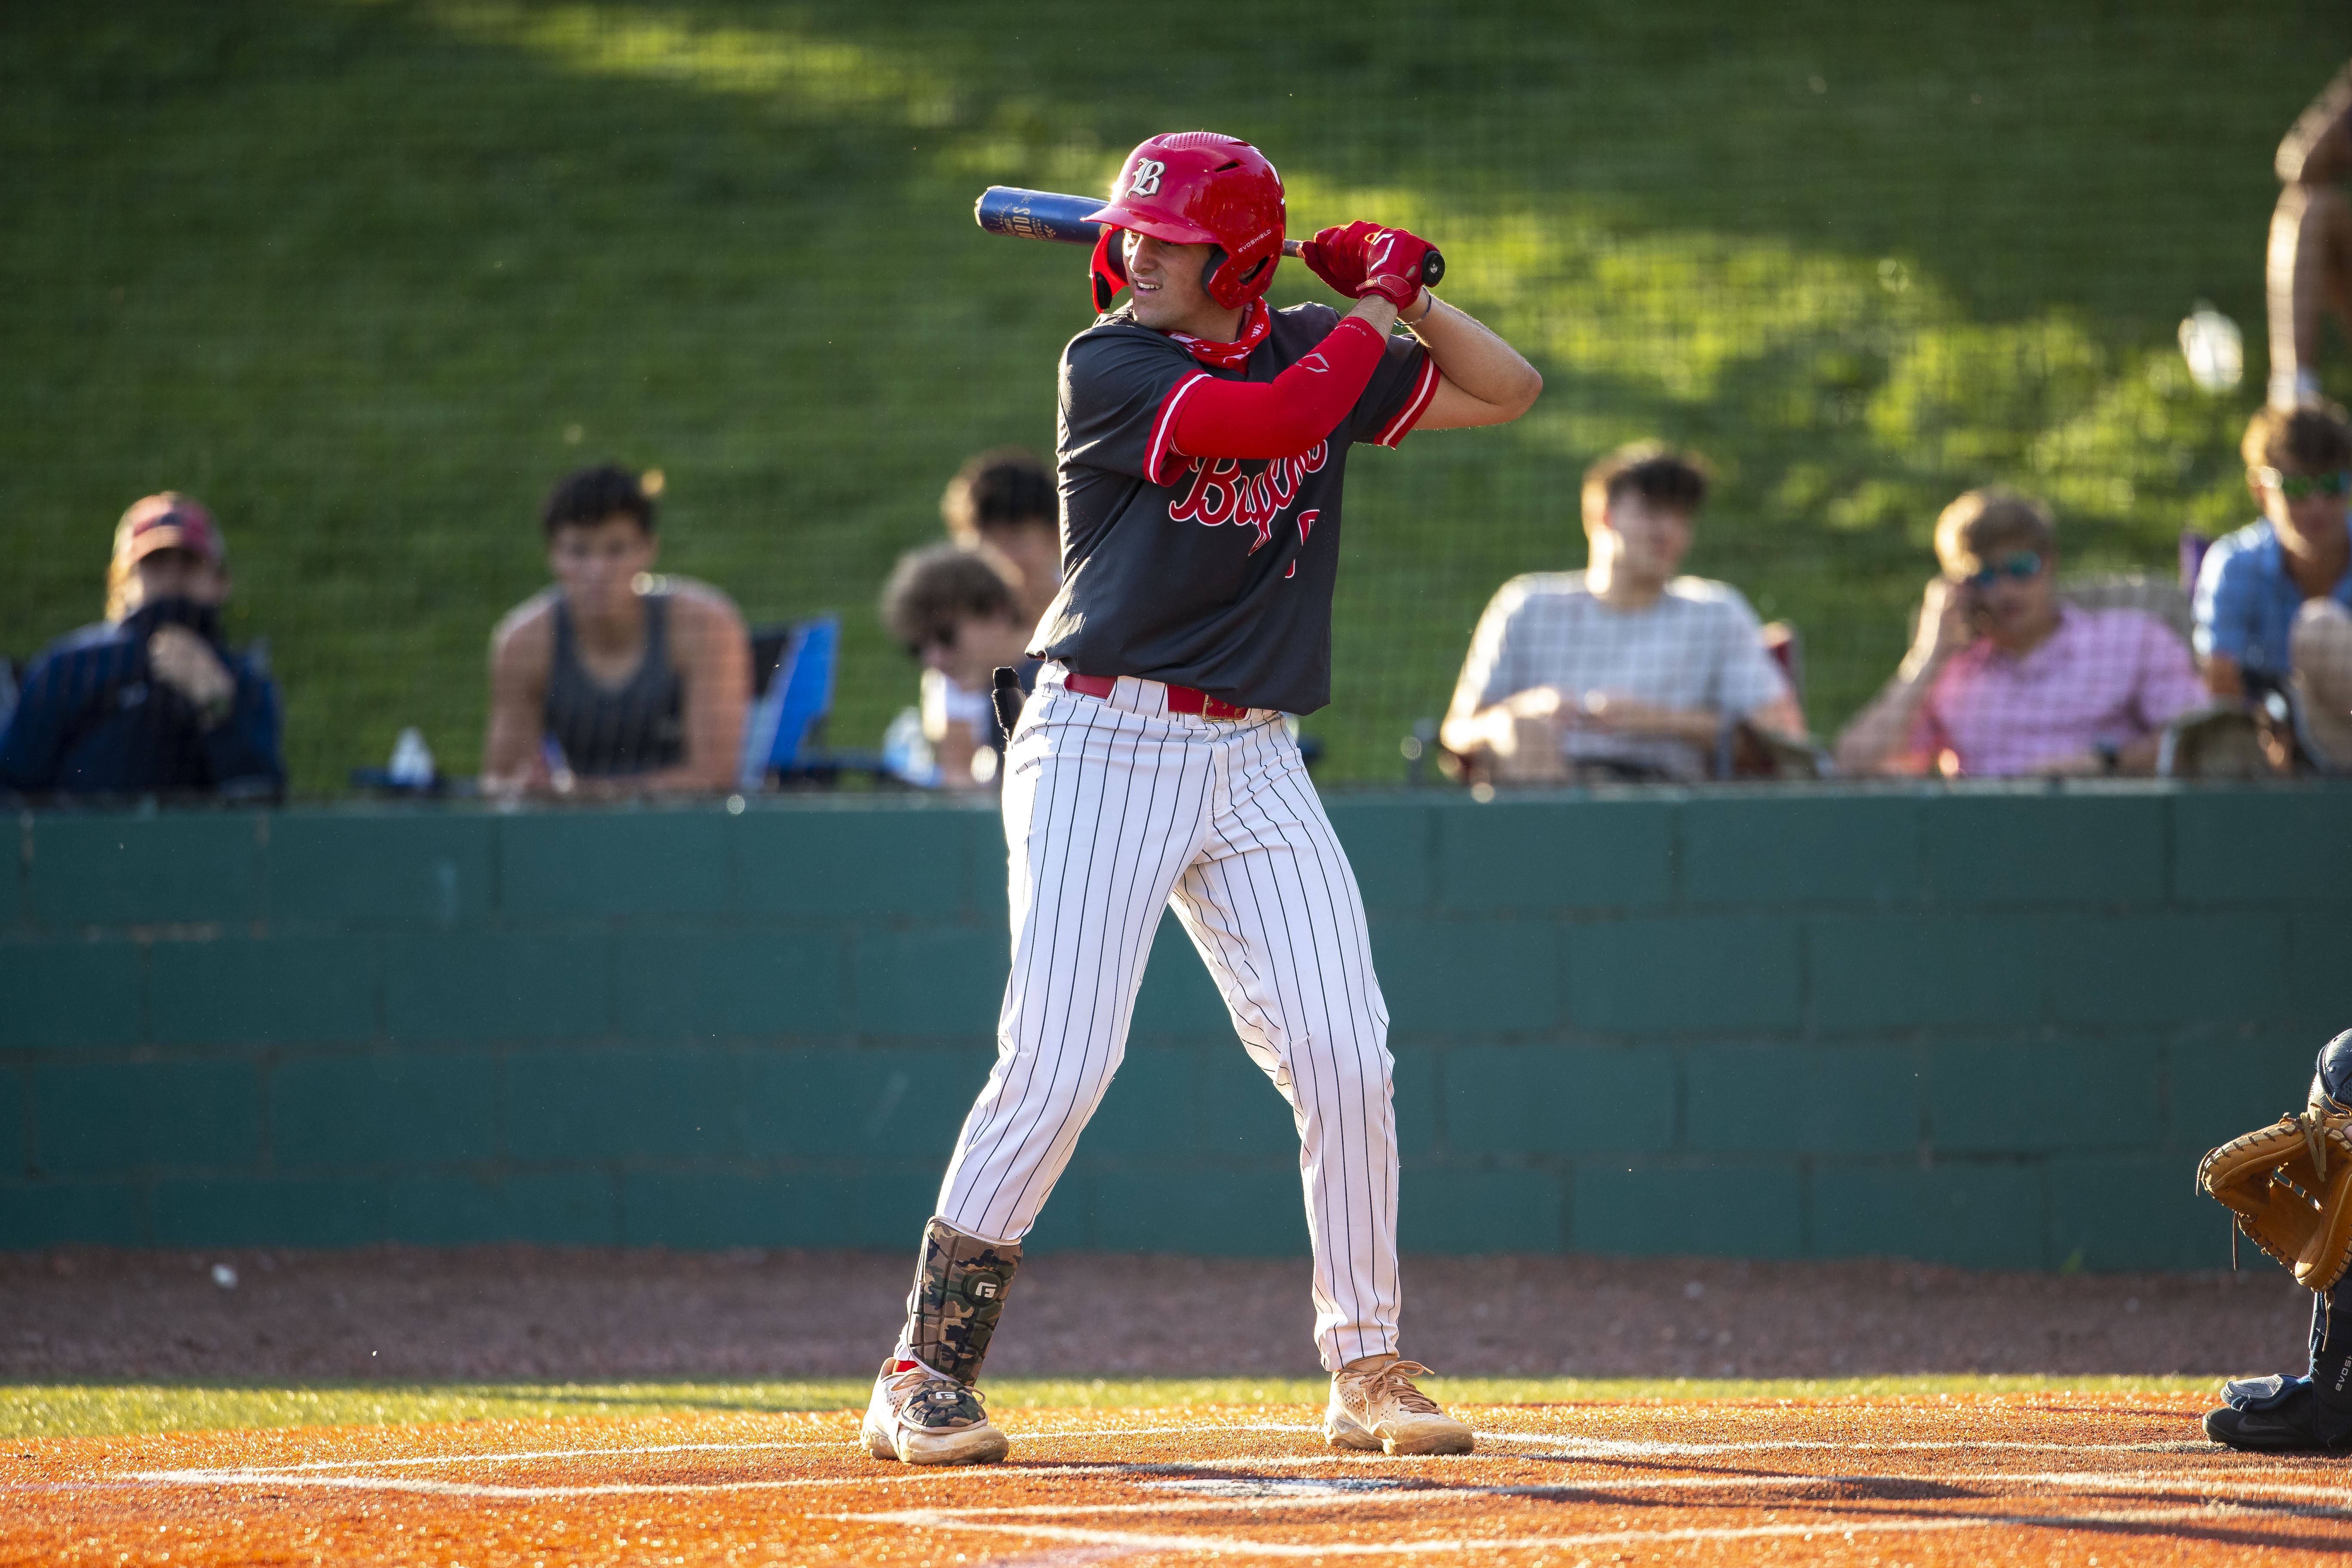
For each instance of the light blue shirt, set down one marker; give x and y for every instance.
(2246, 603)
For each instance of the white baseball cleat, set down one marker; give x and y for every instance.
(1375, 1406)
(919, 1417)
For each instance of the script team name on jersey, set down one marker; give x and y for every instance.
(1220, 493)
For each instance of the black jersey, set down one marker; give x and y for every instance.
(1213, 573)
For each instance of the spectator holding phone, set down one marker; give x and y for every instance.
(2272, 598)
(2004, 678)
(150, 700)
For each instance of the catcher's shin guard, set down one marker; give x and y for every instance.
(959, 1293)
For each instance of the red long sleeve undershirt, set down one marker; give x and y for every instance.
(1279, 418)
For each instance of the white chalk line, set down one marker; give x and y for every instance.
(1559, 1446)
(1245, 1546)
(2318, 1500)
(2207, 1484)
(1650, 1447)
(555, 1454)
(206, 1478)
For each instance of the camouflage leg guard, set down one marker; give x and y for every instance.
(959, 1293)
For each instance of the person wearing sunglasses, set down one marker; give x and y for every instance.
(2005, 678)
(957, 611)
(2273, 604)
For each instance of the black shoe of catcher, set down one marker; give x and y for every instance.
(2277, 1415)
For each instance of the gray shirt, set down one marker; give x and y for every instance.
(1212, 574)
(1699, 645)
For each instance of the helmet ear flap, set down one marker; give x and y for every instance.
(1237, 290)
(1108, 272)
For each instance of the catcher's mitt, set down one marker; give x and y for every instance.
(2290, 1184)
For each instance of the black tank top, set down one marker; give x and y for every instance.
(632, 728)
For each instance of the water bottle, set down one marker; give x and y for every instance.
(412, 760)
(907, 754)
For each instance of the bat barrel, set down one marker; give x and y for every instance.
(1037, 215)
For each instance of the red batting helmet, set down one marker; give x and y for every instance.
(1196, 187)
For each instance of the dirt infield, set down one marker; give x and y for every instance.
(2093, 1478)
(592, 1314)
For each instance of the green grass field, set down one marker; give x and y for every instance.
(95, 1410)
(366, 275)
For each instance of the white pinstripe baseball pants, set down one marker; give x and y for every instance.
(1113, 809)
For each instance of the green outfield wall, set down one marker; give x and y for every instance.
(1980, 1026)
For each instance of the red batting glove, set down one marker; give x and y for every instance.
(1337, 257)
(1392, 260)
(1365, 258)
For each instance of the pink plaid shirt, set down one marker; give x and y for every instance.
(2104, 674)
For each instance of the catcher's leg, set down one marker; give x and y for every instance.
(2288, 1415)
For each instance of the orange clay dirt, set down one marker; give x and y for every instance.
(2077, 1478)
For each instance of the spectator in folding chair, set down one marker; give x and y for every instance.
(153, 699)
(2309, 270)
(2274, 607)
(1003, 501)
(615, 681)
(957, 615)
(1624, 670)
(2004, 678)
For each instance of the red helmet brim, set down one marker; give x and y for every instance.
(1157, 224)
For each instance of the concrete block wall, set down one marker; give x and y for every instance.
(1977, 1025)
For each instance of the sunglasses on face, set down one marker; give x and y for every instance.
(2294, 487)
(2018, 564)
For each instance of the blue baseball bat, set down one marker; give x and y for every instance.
(1050, 215)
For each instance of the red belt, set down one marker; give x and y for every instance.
(1180, 699)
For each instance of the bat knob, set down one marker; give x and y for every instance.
(1433, 269)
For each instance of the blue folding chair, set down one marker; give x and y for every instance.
(780, 735)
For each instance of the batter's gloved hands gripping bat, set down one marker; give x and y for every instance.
(1360, 258)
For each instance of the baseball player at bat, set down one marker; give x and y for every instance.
(1201, 445)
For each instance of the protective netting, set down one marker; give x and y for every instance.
(367, 276)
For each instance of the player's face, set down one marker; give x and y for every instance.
(1651, 540)
(597, 562)
(1165, 283)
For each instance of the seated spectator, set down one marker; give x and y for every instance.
(2310, 262)
(615, 681)
(2004, 678)
(956, 613)
(1623, 670)
(2271, 609)
(1003, 501)
(151, 699)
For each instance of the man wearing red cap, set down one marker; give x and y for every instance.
(149, 700)
(1201, 448)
